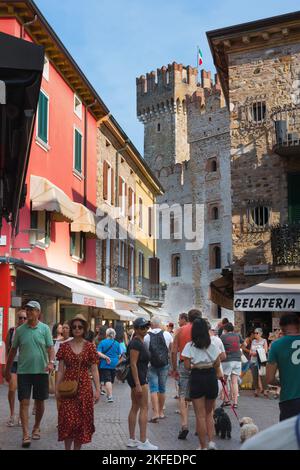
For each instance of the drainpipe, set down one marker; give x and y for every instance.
(22, 34)
(85, 151)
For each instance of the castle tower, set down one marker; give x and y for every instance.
(161, 106)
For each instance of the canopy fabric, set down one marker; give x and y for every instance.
(84, 221)
(45, 196)
(141, 312)
(221, 292)
(275, 295)
(91, 294)
(126, 315)
(157, 312)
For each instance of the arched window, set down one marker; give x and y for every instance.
(215, 213)
(176, 265)
(213, 166)
(215, 256)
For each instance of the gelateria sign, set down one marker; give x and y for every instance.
(273, 295)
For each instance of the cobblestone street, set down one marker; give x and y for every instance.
(111, 423)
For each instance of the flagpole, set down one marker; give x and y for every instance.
(197, 64)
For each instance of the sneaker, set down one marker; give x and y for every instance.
(133, 443)
(11, 422)
(200, 448)
(110, 400)
(212, 446)
(102, 392)
(147, 446)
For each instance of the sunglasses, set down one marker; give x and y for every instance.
(22, 318)
(77, 327)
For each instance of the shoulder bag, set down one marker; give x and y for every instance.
(69, 388)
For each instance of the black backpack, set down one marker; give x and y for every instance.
(158, 350)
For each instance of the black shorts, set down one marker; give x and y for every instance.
(38, 382)
(204, 383)
(14, 368)
(107, 375)
(289, 408)
(142, 378)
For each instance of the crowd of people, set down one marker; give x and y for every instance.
(202, 362)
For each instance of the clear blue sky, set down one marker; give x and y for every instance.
(115, 41)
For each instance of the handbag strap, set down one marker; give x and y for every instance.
(104, 352)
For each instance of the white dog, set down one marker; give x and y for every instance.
(248, 428)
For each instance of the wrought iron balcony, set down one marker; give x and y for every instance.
(287, 131)
(285, 242)
(152, 291)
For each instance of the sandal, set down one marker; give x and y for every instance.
(26, 442)
(36, 434)
(153, 420)
(225, 403)
(162, 417)
(235, 406)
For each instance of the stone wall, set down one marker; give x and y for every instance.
(257, 172)
(194, 129)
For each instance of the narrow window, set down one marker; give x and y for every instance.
(176, 265)
(141, 265)
(215, 213)
(158, 127)
(78, 151)
(215, 257)
(77, 245)
(77, 106)
(140, 213)
(43, 117)
(258, 111)
(213, 166)
(150, 221)
(46, 68)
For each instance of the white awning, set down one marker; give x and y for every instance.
(45, 196)
(272, 295)
(157, 312)
(91, 294)
(141, 312)
(84, 221)
(126, 315)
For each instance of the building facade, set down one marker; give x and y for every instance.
(53, 256)
(259, 67)
(187, 145)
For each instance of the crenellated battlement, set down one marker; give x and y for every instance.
(170, 89)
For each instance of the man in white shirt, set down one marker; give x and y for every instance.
(159, 344)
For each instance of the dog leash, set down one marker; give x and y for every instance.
(227, 398)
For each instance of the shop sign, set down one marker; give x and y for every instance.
(256, 270)
(109, 304)
(80, 299)
(267, 302)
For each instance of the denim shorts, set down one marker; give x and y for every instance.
(157, 378)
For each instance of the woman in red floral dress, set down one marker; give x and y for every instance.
(76, 415)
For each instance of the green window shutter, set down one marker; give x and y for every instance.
(47, 228)
(33, 219)
(82, 246)
(72, 243)
(43, 118)
(294, 198)
(78, 151)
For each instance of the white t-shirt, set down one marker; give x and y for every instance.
(201, 356)
(281, 436)
(216, 341)
(168, 337)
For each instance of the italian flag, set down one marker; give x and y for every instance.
(200, 57)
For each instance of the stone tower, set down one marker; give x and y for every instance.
(187, 146)
(161, 106)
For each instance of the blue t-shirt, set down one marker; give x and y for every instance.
(113, 353)
(285, 352)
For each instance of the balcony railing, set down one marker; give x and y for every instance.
(285, 241)
(286, 139)
(152, 291)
